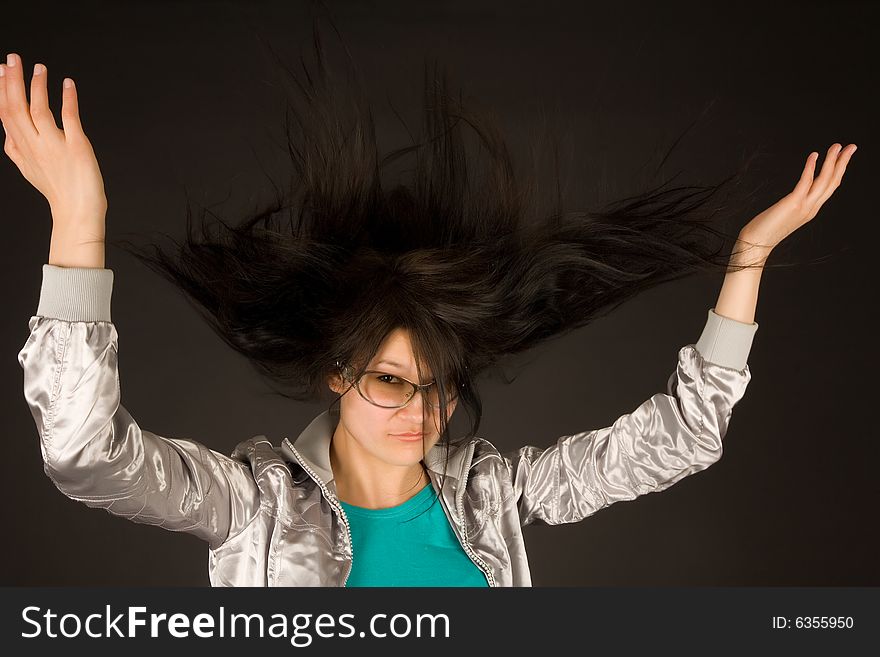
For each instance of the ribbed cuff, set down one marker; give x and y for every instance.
(76, 294)
(726, 341)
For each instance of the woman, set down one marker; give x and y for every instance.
(393, 301)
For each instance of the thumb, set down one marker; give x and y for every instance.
(11, 149)
(806, 179)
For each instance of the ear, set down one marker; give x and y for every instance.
(336, 383)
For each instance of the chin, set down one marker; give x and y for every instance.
(407, 460)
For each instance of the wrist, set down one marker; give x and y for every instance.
(76, 247)
(756, 239)
(752, 248)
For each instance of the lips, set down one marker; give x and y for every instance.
(408, 436)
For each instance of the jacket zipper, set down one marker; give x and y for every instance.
(459, 504)
(332, 499)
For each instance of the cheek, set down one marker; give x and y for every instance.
(371, 422)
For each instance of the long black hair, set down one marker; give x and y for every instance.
(468, 264)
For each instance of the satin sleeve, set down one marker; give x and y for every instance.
(93, 449)
(668, 437)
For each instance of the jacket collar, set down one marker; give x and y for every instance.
(313, 445)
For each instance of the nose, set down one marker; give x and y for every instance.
(415, 409)
(416, 402)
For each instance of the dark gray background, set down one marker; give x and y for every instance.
(175, 93)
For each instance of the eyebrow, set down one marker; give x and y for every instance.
(392, 363)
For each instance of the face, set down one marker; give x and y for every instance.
(371, 428)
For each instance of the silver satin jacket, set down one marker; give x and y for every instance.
(270, 514)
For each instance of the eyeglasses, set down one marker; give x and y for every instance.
(392, 391)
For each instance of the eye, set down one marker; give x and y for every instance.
(387, 376)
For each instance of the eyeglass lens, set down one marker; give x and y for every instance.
(389, 390)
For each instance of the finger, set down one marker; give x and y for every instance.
(19, 117)
(840, 166)
(803, 185)
(821, 183)
(837, 176)
(5, 117)
(70, 111)
(40, 112)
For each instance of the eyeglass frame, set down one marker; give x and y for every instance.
(417, 387)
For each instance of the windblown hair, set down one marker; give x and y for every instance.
(466, 265)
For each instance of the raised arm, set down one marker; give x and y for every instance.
(668, 437)
(93, 450)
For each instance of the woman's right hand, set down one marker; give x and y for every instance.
(59, 163)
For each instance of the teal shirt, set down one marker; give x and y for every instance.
(411, 544)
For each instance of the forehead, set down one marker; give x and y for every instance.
(396, 352)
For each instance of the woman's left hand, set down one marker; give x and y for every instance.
(797, 208)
